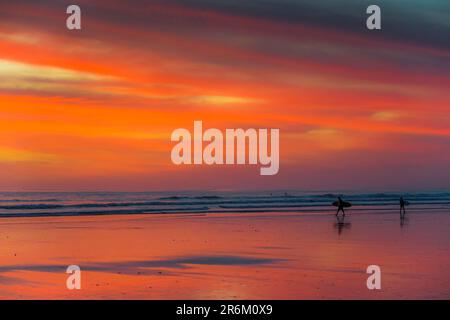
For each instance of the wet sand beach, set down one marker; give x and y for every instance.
(274, 255)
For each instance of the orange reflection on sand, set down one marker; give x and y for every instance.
(234, 256)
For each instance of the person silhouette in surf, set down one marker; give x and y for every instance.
(402, 207)
(340, 207)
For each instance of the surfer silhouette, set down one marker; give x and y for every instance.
(402, 207)
(340, 205)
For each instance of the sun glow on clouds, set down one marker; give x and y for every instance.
(15, 155)
(385, 116)
(19, 38)
(13, 69)
(223, 100)
(331, 139)
(317, 142)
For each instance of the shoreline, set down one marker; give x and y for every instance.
(331, 210)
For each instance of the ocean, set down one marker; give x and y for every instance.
(41, 204)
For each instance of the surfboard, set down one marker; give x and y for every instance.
(406, 203)
(346, 204)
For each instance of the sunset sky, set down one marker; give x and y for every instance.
(93, 109)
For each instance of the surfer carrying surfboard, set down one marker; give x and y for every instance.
(340, 205)
(402, 206)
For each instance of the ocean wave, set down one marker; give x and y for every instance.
(186, 197)
(30, 200)
(103, 212)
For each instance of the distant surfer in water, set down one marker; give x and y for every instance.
(402, 207)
